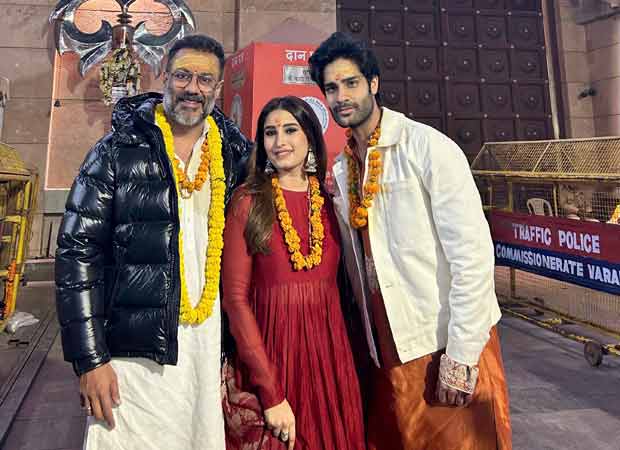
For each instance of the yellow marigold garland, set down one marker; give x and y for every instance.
(358, 207)
(215, 163)
(317, 232)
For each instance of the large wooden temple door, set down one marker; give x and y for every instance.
(474, 69)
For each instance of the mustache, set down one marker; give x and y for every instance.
(191, 98)
(341, 106)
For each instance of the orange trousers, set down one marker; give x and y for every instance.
(403, 413)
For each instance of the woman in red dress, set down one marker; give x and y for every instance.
(294, 383)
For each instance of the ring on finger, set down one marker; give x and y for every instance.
(284, 436)
(85, 407)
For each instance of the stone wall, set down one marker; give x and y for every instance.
(603, 46)
(259, 17)
(574, 72)
(27, 60)
(589, 58)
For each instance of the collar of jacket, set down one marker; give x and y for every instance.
(132, 114)
(142, 107)
(391, 127)
(391, 130)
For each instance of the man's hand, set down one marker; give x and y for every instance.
(281, 421)
(99, 391)
(456, 382)
(452, 397)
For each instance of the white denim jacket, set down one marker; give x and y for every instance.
(430, 243)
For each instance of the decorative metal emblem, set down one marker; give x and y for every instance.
(117, 44)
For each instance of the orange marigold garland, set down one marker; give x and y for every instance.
(212, 152)
(317, 232)
(185, 183)
(186, 186)
(359, 204)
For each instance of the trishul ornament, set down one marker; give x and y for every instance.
(118, 46)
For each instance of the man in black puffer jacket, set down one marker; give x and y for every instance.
(137, 321)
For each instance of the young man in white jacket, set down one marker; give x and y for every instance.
(420, 257)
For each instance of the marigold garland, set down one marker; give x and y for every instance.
(358, 216)
(213, 150)
(121, 68)
(317, 232)
(186, 186)
(201, 175)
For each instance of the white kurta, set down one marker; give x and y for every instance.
(174, 407)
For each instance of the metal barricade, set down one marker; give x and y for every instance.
(577, 179)
(18, 190)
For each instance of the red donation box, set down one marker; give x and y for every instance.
(264, 70)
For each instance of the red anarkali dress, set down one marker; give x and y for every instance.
(290, 333)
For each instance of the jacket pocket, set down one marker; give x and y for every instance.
(399, 204)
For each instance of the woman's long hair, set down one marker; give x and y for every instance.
(258, 184)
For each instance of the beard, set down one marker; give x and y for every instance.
(175, 110)
(361, 112)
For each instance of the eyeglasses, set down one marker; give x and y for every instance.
(181, 79)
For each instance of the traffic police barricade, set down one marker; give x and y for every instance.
(554, 210)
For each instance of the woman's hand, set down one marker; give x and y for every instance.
(281, 421)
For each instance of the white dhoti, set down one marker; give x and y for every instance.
(173, 407)
(168, 407)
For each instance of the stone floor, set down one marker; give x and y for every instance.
(558, 401)
(50, 417)
(37, 300)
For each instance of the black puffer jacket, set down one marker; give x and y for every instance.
(117, 282)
